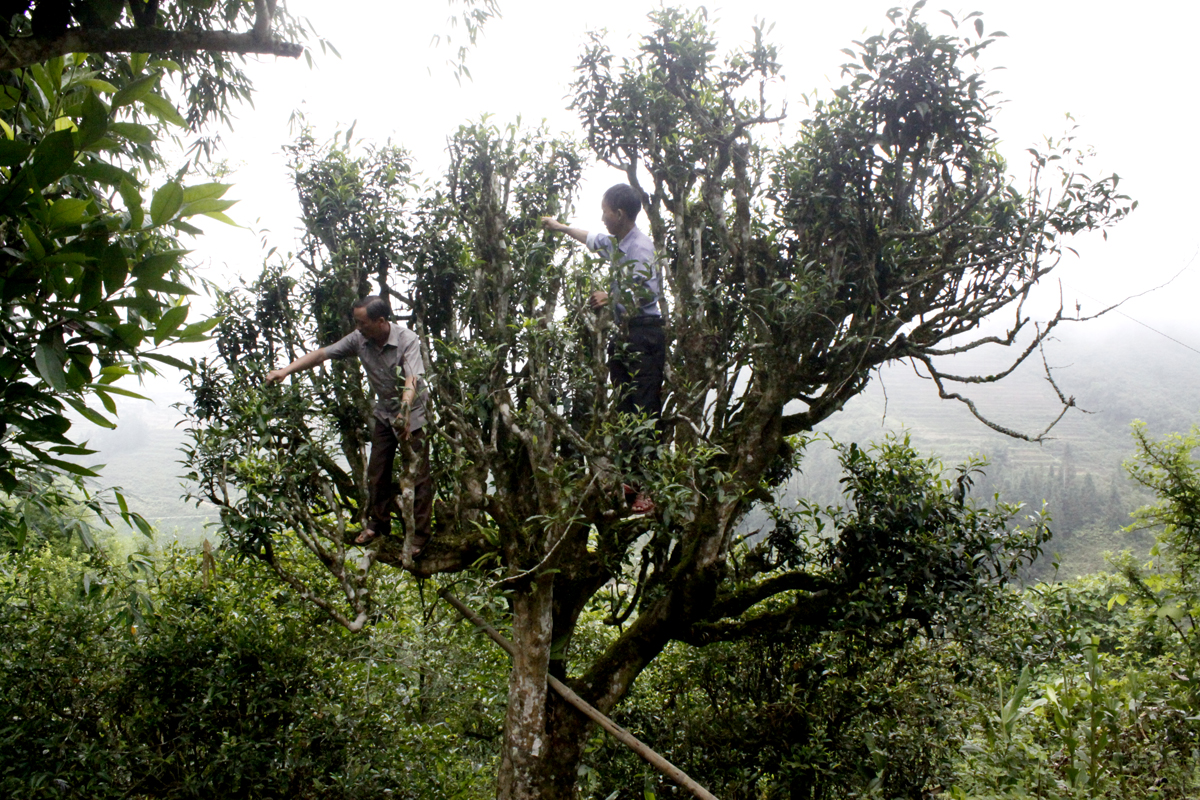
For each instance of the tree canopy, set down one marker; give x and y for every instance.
(890, 229)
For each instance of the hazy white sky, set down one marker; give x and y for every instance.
(1123, 71)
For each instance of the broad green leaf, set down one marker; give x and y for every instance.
(95, 120)
(110, 405)
(201, 327)
(186, 227)
(68, 211)
(13, 153)
(165, 286)
(71, 450)
(135, 91)
(50, 366)
(53, 157)
(169, 323)
(90, 414)
(130, 334)
(133, 202)
(204, 191)
(36, 249)
(166, 203)
(115, 371)
(102, 172)
(115, 267)
(54, 71)
(207, 205)
(148, 532)
(159, 264)
(91, 288)
(97, 85)
(170, 360)
(108, 388)
(138, 134)
(163, 109)
(67, 466)
(220, 217)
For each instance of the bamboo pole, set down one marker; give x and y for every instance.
(588, 710)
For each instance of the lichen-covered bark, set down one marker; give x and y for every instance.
(527, 749)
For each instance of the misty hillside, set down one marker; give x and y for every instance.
(1115, 377)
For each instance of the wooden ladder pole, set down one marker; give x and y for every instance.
(588, 710)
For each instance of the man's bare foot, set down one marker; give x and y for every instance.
(642, 504)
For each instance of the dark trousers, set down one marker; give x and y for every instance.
(635, 365)
(384, 491)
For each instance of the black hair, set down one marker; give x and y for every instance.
(376, 306)
(623, 197)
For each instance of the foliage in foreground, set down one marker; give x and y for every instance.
(229, 688)
(227, 685)
(1086, 688)
(1083, 692)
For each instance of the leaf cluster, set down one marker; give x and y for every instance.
(92, 281)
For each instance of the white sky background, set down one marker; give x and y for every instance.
(1125, 72)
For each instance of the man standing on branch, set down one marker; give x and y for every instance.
(388, 352)
(638, 355)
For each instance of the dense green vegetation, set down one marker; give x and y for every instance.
(197, 675)
(227, 687)
(878, 643)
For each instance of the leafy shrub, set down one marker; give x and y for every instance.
(229, 688)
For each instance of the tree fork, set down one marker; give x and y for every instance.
(591, 712)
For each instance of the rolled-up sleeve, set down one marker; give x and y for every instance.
(599, 241)
(348, 345)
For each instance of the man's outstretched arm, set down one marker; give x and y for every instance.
(578, 234)
(597, 299)
(306, 361)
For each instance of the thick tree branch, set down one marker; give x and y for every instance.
(19, 53)
(818, 610)
(739, 602)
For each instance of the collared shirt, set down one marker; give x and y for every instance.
(402, 351)
(636, 250)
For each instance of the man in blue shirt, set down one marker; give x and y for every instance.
(637, 358)
(386, 350)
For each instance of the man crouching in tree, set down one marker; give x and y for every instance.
(638, 355)
(387, 351)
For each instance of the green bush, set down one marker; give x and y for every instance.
(230, 688)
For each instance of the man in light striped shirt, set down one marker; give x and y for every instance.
(637, 356)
